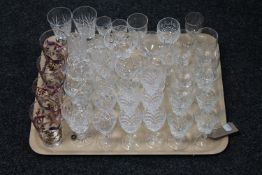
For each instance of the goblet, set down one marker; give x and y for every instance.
(193, 22)
(154, 121)
(54, 45)
(47, 123)
(60, 18)
(104, 122)
(205, 124)
(179, 126)
(168, 30)
(137, 23)
(78, 118)
(152, 102)
(84, 18)
(119, 25)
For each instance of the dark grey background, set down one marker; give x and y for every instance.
(238, 24)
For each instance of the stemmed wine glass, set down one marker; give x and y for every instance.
(105, 117)
(179, 126)
(193, 22)
(60, 18)
(84, 18)
(103, 25)
(130, 119)
(78, 118)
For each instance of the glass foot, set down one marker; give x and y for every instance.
(105, 142)
(154, 140)
(202, 143)
(177, 144)
(81, 140)
(129, 142)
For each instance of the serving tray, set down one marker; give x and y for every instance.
(71, 147)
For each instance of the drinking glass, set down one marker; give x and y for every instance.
(207, 100)
(137, 23)
(103, 25)
(47, 123)
(152, 102)
(154, 121)
(181, 100)
(193, 22)
(130, 122)
(60, 18)
(104, 122)
(119, 25)
(84, 18)
(78, 118)
(54, 45)
(205, 123)
(179, 126)
(52, 73)
(48, 98)
(207, 47)
(168, 30)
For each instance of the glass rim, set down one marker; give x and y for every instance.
(84, 7)
(170, 18)
(214, 32)
(49, 31)
(191, 13)
(119, 19)
(51, 10)
(100, 17)
(137, 13)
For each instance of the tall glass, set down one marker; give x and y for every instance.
(60, 18)
(84, 18)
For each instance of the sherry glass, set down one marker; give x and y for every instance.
(168, 30)
(60, 18)
(78, 118)
(103, 25)
(179, 126)
(104, 122)
(47, 123)
(205, 123)
(154, 121)
(84, 18)
(193, 22)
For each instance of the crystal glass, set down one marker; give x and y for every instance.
(181, 100)
(104, 97)
(152, 102)
(52, 73)
(183, 50)
(154, 121)
(104, 122)
(137, 23)
(130, 122)
(48, 98)
(179, 126)
(78, 69)
(84, 18)
(60, 18)
(47, 123)
(103, 25)
(182, 77)
(168, 30)
(207, 101)
(153, 79)
(78, 118)
(207, 47)
(128, 95)
(54, 45)
(193, 22)
(205, 123)
(119, 25)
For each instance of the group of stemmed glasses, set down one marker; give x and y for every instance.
(124, 73)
